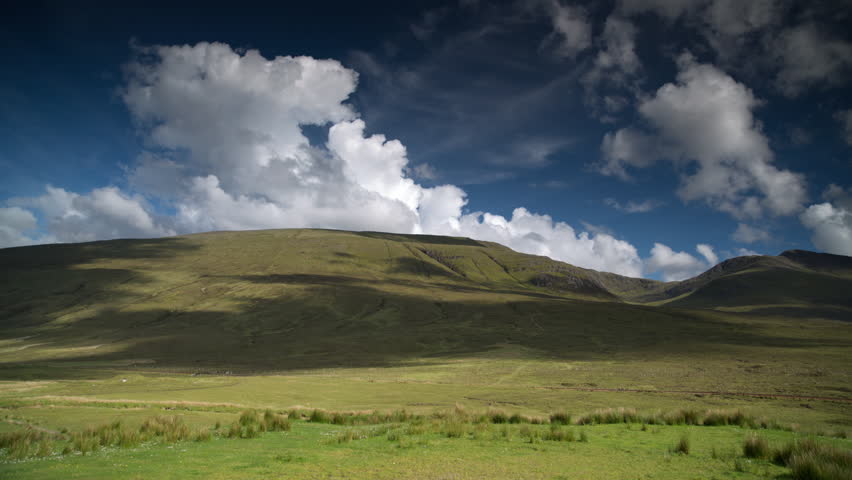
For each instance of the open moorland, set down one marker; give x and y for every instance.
(318, 353)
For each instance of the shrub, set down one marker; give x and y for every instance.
(755, 446)
(583, 436)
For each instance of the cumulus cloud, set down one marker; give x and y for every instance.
(227, 152)
(796, 57)
(540, 235)
(15, 224)
(831, 221)
(572, 31)
(100, 214)
(679, 265)
(704, 123)
(747, 234)
(707, 252)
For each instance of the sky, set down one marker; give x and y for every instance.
(650, 138)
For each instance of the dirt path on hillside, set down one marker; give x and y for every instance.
(703, 392)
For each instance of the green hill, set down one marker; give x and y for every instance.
(295, 299)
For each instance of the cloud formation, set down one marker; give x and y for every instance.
(632, 206)
(227, 152)
(831, 221)
(704, 124)
(747, 234)
(572, 31)
(15, 223)
(679, 265)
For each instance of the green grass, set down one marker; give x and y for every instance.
(549, 370)
(438, 450)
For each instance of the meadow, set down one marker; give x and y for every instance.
(445, 339)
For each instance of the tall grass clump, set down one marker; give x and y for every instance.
(683, 445)
(557, 434)
(171, 429)
(560, 418)
(497, 416)
(319, 416)
(26, 443)
(609, 416)
(718, 418)
(755, 446)
(808, 459)
(252, 423)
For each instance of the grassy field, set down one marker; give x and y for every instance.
(205, 326)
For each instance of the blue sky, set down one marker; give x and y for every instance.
(645, 137)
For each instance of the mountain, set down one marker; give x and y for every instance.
(285, 299)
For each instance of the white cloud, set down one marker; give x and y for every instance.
(425, 171)
(844, 117)
(705, 120)
(103, 213)
(747, 234)
(632, 206)
(231, 155)
(616, 63)
(808, 57)
(745, 252)
(628, 147)
(751, 36)
(831, 221)
(832, 227)
(571, 28)
(15, 225)
(540, 235)
(678, 265)
(707, 252)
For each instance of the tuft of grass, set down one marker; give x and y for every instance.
(516, 418)
(319, 416)
(497, 416)
(454, 429)
(683, 445)
(557, 434)
(609, 416)
(23, 444)
(808, 459)
(755, 446)
(560, 418)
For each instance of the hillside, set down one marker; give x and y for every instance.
(286, 299)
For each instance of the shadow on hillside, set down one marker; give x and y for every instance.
(430, 239)
(417, 266)
(63, 255)
(341, 322)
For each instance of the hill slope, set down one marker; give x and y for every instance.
(283, 299)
